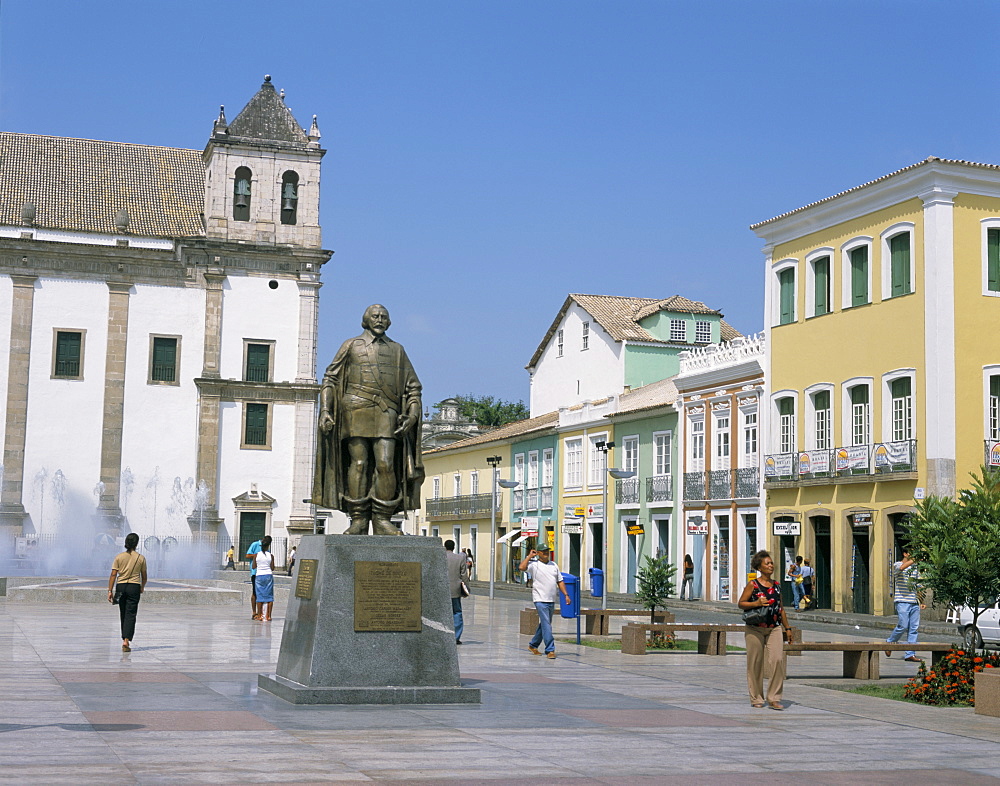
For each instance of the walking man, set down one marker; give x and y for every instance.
(908, 599)
(458, 572)
(546, 579)
(796, 579)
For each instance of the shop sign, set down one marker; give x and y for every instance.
(572, 527)
(634, 528)
(862, 518)
(697, 525)
(529, 526)
(572, 512)
(787, 527)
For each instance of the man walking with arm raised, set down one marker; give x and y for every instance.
(546, 579)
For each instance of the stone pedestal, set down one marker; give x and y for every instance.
(987, 687)
(326, 659)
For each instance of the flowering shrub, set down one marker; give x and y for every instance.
(952, 681)
(658, 640)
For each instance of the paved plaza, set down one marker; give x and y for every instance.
(183, 707)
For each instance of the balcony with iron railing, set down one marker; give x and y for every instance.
(694, 485)
(518, 500)
(720, 485)
(546, 503)
(627, 491)
(463, 507)
(855, 463)
(531, 502)
(747, 482)
(660, 488)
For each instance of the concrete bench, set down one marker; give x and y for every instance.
(988, 692)
(861, 658)
(711, 636)
(597, 621)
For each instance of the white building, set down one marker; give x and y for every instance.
(158, 330)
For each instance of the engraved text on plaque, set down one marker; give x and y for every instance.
(387, 596)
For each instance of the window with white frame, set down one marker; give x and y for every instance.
(678, 330)
(819, 282)
(585, 338)
(574, 463)
(697, 444)
(784, 292)
(458, 484)
(993, 407)
(786, 424)
(630, 454)
(822, 420)
(857, 272)
(474, 482)
(897, 260)
(991, 256)
(437, 488)
(519, 469)
(547, 467)
(533, 469)
(901, 395)
(750, 438)
(703, 332)
(598, 460)
(559, 344)
(861, 414)
(722, 449)
(661, 452)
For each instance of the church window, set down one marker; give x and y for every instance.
(241, 194)
(68, 355)
(289, 197)
(255, 427)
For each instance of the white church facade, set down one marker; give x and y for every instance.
(158, 318)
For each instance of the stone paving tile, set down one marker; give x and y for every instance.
(636, 718)
(121, 676)
(186, 720)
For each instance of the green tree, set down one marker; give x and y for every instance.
(490, 412)
(654, 584)
(956, 544)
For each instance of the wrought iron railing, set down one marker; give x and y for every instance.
(694, 485)
(720, 485)
(882, 458)
(747, 482)
(627, 491)
(532, 499)
(659, 488)
(458, 507)
(546, 498)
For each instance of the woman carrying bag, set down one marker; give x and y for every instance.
(766, 632)
(129, 570)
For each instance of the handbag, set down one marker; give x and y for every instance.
(119, 592)
(463, 591)
(758, 615)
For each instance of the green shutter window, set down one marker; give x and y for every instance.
(859, 394)
(822, 400)
(993, 260)
(258, 362)
(164, 360)
(256, 425)
(68, 350)
(995, 385)
(900, 388)
(899, 255)
(786, 296)
(859, 276)
(821, 276)
(786, 406)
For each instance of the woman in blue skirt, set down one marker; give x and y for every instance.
(264, 581)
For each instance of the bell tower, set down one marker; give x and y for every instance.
(262, 175)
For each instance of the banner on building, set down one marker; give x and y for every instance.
(855, 457)
(994, 453)
(778, 466)
(890, 454)
(814, 462)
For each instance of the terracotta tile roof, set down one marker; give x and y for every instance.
(80, 185)
(925, 162)
(728, 331)
(266, 117)
(656, 394)
(518, 428)
(619, 316)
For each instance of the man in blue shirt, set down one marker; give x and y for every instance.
(252, 553)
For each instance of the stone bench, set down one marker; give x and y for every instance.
(597, 621)
(988, 692)
(861, 658)
(711, 636)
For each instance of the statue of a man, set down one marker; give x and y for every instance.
(368, 453)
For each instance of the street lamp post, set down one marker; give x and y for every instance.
(617, 474)
(494, 462)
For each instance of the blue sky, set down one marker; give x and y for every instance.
(485, 159)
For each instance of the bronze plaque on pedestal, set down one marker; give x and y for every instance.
(387, 596)
(306, 578)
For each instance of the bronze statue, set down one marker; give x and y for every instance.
(368, 450)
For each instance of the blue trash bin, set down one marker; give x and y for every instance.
(570, 610)
(596, 583)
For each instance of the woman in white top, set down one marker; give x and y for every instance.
(264, 580)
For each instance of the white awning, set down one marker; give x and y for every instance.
(520, 540)
(508, 536)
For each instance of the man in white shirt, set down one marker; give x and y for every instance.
(546, 579)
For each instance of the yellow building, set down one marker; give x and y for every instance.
(882, 379)
(456, 495)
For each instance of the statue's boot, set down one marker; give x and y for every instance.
(382, 516)
(360, 512)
